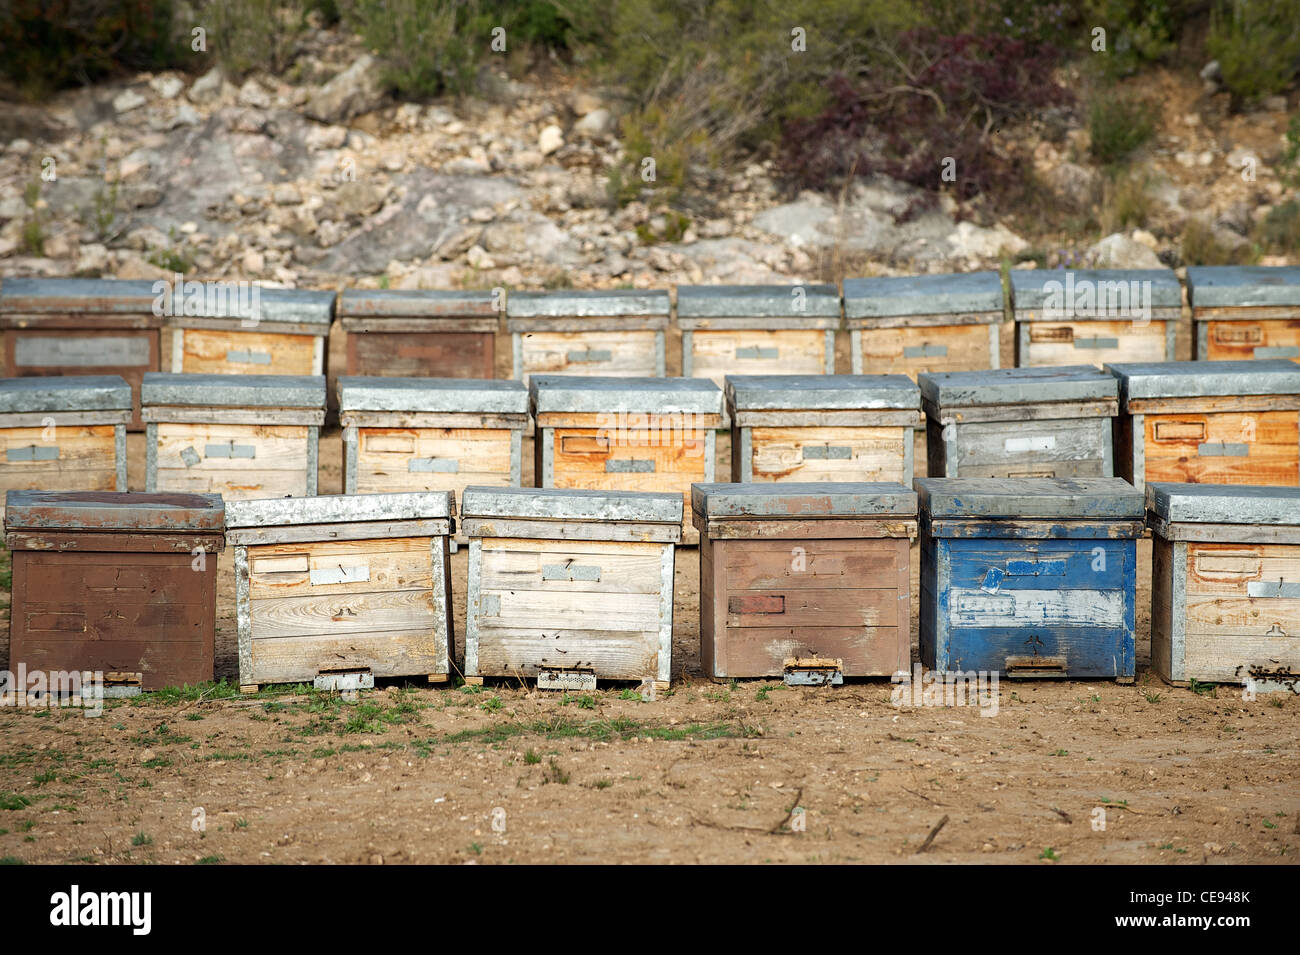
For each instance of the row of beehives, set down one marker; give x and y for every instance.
(898, 325)
(257, 436)
(806, 581)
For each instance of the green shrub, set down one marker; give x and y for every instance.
(249, 35)
(1289, 167)
(1280, 230)
(51, 44)
(1118, 125)
(1200, 246)
(1257, 44)
(1138, 31)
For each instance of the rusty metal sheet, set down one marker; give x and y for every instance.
(113, 511)
(804, 500)
(71, 393)
(385, 303)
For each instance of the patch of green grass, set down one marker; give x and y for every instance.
(475, 848)
(241, 823)
(210, 860)
(40, 779)
(1151, 696)
(531, 758)
(1119, 125)
(1203, 689)
(471, 688)
(761, 695)
(492, 704)
(555, 773)
(141, 839)
(1049, 854)
(158, 762)
(11, 860)
(219, 690)
(629, 695)
(1061, 752)
(13, 801)
(376, 718)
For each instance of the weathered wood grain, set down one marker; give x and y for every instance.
(238, 352)
(621, 354)
(717, 353)
(830, 454)
(1098, 342)
(430, 354)
(909, 351)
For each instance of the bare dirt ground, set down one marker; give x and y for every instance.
(1080, 772)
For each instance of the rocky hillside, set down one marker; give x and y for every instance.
(326, 182)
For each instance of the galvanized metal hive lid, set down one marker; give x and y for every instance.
(341, 509)
(821, 392)
(604, 302)
(923, 295)
(758, 301)
(570, 504)
(1223, 504)
(1043, 288)
(1030, 498)
(91, 296)
(107, 511)
(442, 303)
(234, 391)
(1239, 286)
(284, 305)
(1192, 379)
(446, 395)
(578, 394)
(819, 499)
(1017, 386)
(71, 393)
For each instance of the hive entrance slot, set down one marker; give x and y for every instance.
(1034, 667)
(813, 671)
(576, 679)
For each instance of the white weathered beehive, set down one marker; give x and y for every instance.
(1226, 584)
(909, 324)
(612, 332)
(1095, 315)
(822, 427)
(243, 436)
(342, 587)
(250, 331)
(757, 329)
(430, 434)
(64, 434)
(1020, 422)
(570, 586)
(1245, 311)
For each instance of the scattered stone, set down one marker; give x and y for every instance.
(92, 260)
(355, 91)
(597, 123)
(551, 139)
(286, 194)
(128, 100)
(478, 258)
(207, 87)
(1119, 251)
(253, 95)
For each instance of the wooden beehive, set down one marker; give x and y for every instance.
(1243, 312)
(625, 434)
(1033, 577)
(570, 585)
(64, 434)
(1226, 584)
(119, 583)
(616, 332)
(342, 585)
(245, 436)
(757, 329)
(1020, 422)
(822, 427)
(82, 327)
(804, 571)
(279, 332)
(430, 434)
(1209, 422)
(409, 334)
(909, 324)
(1095, 315)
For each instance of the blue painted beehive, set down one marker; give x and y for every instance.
(1030, 577)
